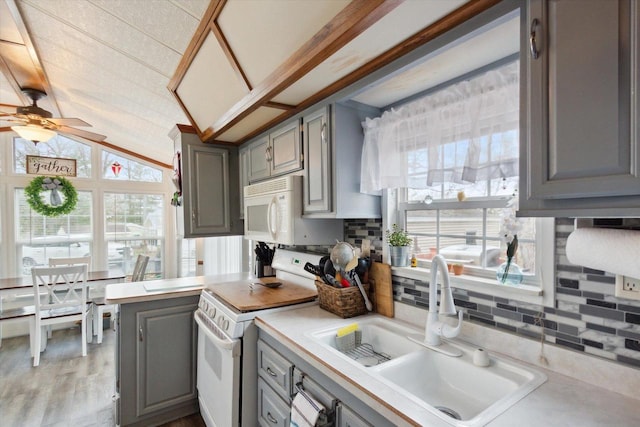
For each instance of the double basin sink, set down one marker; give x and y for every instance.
(455, 389)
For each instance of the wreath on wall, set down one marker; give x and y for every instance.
(55, 186)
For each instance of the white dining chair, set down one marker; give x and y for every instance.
(65, 289)
(55, 262)
(99, 305)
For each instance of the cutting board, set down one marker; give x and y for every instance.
(380, 278)
(257, 297)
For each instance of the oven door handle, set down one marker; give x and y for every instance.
(214, 333)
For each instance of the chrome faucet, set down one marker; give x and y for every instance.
(436, 328)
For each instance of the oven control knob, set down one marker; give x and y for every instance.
(220, 321)
(226, 325)
(212, 312)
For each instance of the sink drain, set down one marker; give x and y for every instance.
(453, 414)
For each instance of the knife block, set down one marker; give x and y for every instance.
(263, 270)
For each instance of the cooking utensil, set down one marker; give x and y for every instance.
(330, 280)
(364, 294)
(269, 284)
(313, 269)
(329, 269)
(341, 254)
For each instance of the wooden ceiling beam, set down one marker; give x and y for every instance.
(446, 23)
(38, 71)
(354, 19)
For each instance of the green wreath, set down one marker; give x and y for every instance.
(53, 185)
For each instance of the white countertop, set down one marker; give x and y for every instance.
(560, 401)
(126, 293)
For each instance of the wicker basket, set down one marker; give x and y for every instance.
(344, 302)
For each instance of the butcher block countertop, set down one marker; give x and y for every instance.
(127, 293)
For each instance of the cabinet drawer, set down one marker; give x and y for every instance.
(275, 369)
(272, 410)
(348, 418)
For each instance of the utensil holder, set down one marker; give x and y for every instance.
(343, 302)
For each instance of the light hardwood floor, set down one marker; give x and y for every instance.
(66, 389)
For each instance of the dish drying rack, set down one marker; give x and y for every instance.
(351, 345)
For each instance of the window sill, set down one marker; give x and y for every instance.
(526, 293)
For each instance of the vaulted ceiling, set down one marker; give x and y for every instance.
(107, 62)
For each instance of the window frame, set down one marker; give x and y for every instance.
(539, 289)
(10, 180)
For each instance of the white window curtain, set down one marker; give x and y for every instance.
(463, 133)
(223, 255)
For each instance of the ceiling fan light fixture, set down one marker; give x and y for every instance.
(34, 133)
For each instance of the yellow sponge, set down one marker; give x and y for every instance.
(347, 330)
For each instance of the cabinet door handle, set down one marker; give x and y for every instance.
(323, 136)
(140, 334)
(267, 154)
(271, 419)
(270, 372)
(535, 53)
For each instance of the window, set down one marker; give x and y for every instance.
(134, 226)
(113, 222)
(123, 169)
(452, 157)
(40, 237)
(58, 146)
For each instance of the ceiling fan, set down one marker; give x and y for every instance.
(38, 125)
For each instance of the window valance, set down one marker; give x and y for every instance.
(463, 133)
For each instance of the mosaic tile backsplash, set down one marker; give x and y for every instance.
(587, 317)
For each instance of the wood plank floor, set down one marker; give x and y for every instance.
(66, 389)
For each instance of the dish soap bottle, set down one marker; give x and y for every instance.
(414, 260)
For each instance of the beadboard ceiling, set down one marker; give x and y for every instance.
(107, 62)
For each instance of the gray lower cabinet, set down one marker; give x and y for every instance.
(282, 373)
(156, 361)
(348, 418)
(210, 187)
(580, 154)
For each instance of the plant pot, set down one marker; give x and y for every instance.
(457, 269)
(399, 256)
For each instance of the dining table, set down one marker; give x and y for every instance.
(18, 291)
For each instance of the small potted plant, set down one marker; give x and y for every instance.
(457, 268)
(399, 242)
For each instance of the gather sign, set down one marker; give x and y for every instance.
(52, 166)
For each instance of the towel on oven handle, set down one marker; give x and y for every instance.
(305, 410)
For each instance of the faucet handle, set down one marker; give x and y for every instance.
(449, 331)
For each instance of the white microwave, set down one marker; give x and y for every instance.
(273, 214)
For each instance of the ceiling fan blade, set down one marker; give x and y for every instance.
(68, 122)
(10, 105)
(81, 133)
(3, 114)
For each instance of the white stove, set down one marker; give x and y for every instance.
(227, 345)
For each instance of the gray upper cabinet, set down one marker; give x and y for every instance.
(210, 188)
(317, 170)
(259, 165)
(244, 156)
(277, 153)
(579, 148)
(332, 168)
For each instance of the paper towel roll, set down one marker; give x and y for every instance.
(614, 251)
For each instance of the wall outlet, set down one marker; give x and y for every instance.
(627, 287)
